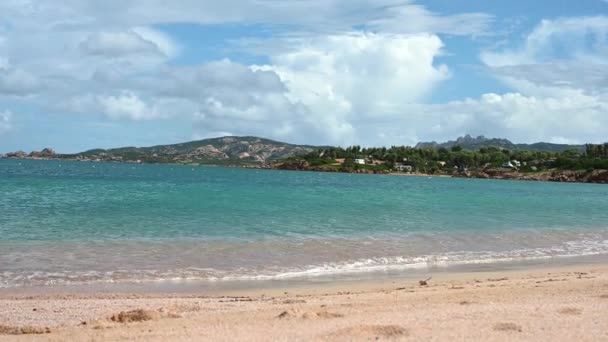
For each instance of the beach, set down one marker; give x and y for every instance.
(111, 252)
(305, 170)
(558, 304)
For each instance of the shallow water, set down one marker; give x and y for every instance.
(81, 223)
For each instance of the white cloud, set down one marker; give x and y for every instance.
(18, 82)
(559, 75)
(126, 105)
(5, 121)
(410, 18)
(348, 80)
(226, 96)
(220, 79)
(561, 39)
(329, 15)
(162, 41)
(325, 82)
(323, 89)
(116, 44)
(577, 117)
(566, 52)
(320, 89)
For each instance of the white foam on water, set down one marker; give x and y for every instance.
(568, 249)
(574, 249)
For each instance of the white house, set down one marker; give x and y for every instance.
(403, 168)
(360, 161)
(513, 164)
(508, 165)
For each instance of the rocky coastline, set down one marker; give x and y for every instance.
(45, 154)
(567, 176)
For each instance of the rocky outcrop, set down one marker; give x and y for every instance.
(303, 165)
(595, 176)
(17, 154)
(47, 153)
(209, 151)
(296, 165)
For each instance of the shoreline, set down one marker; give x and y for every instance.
(373, 281)
(559, 303)
(222, 287)
(553, 176)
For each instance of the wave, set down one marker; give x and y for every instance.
(571, 249)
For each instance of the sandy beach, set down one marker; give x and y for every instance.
(557, 304)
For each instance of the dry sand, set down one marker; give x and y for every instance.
(564, 304)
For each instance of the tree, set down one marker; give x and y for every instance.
(456, 148)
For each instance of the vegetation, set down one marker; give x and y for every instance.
(444, 160)
(473, 154)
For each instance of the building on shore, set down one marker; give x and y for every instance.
(403, 168)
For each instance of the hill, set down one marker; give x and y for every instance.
(218, 151)
(474, 144)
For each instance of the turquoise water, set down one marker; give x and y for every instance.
(75, 222)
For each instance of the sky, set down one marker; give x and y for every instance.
(78, 74)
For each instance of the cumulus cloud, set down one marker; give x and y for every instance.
(323, 85)
(127, 105)
(348, 80)
(577, 118)
(224, 79)
(526, 118)
(325, 89)
(559, 75)
(357, 71)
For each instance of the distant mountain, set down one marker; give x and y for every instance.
(219, 151)
(473, 144)
(243, 151)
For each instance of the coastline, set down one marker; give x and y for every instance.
(556, 176)
(544, 303)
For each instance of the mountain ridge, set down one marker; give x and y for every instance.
(233, 150)
(471, 143)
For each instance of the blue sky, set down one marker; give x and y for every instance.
(76, 75)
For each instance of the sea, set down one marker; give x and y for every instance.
(85, 223)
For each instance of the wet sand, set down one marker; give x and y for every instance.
(558, 304)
